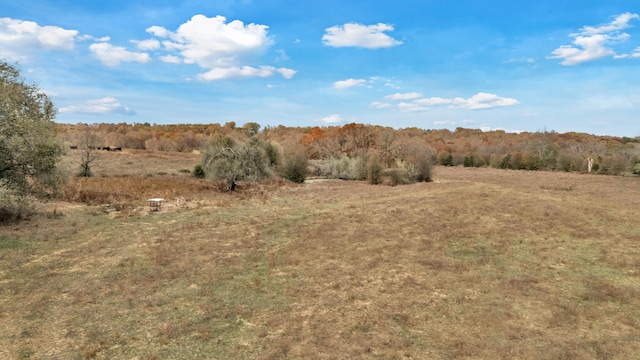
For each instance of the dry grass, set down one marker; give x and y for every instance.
(480, 264)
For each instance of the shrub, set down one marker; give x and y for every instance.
(349, 168)
(447, 160)
(198, 171)
(224, 159)
(418, 162)
(14, 208)
(421, 169)
(397, 176)
(294, 167)
(271, 151)
(374, 170)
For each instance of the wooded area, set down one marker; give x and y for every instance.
(545, 150)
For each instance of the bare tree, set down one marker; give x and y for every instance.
(88, 143)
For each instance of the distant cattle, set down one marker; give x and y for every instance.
(73, 147)
(105, 148)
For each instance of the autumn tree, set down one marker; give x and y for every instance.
(29, 149)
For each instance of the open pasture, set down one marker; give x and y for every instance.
(479, 264)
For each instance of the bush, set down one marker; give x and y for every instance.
(294, 167)
(447, 160)
(271, 151)
(421, 169)
(15, 208)
(349, 168)
(374, 170)
(224, 159)
(198, 172)
(418, 162)
(397, 176)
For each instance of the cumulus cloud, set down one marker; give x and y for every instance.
(595, 42)
(349, 83)
(114, 55)
(102, 106)
(245, 72)
(225, 49)
(478, 101)
(19, 39)
(358, 35)
(211, 42)
(332, 119)
(404, 96)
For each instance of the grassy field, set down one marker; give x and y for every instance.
(479, 264)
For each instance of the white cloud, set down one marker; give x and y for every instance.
(244, 72)
(226, 50)
(146, 45)
(595, 42)
(380, 105)
(636, 52)
(404, 96)
(171, 59)
(349, 83)
(486, 101)
(114, 55)
(432, 101)
(411, 107)
(621, 22)
(476, 102)
(358, 35)
(158, 31)
(286, 73)
(102, 106)
(332, 119)
(19, 39)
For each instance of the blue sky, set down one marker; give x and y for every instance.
(511, 65)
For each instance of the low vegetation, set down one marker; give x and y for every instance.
(479, 263)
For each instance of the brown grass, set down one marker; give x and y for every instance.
(480, 264)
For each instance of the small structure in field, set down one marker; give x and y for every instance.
(155, 204)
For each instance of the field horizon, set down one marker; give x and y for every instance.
(481, 263)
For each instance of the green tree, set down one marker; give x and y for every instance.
(225, 159)
(29, 150)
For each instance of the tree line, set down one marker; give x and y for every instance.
(543, 150)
